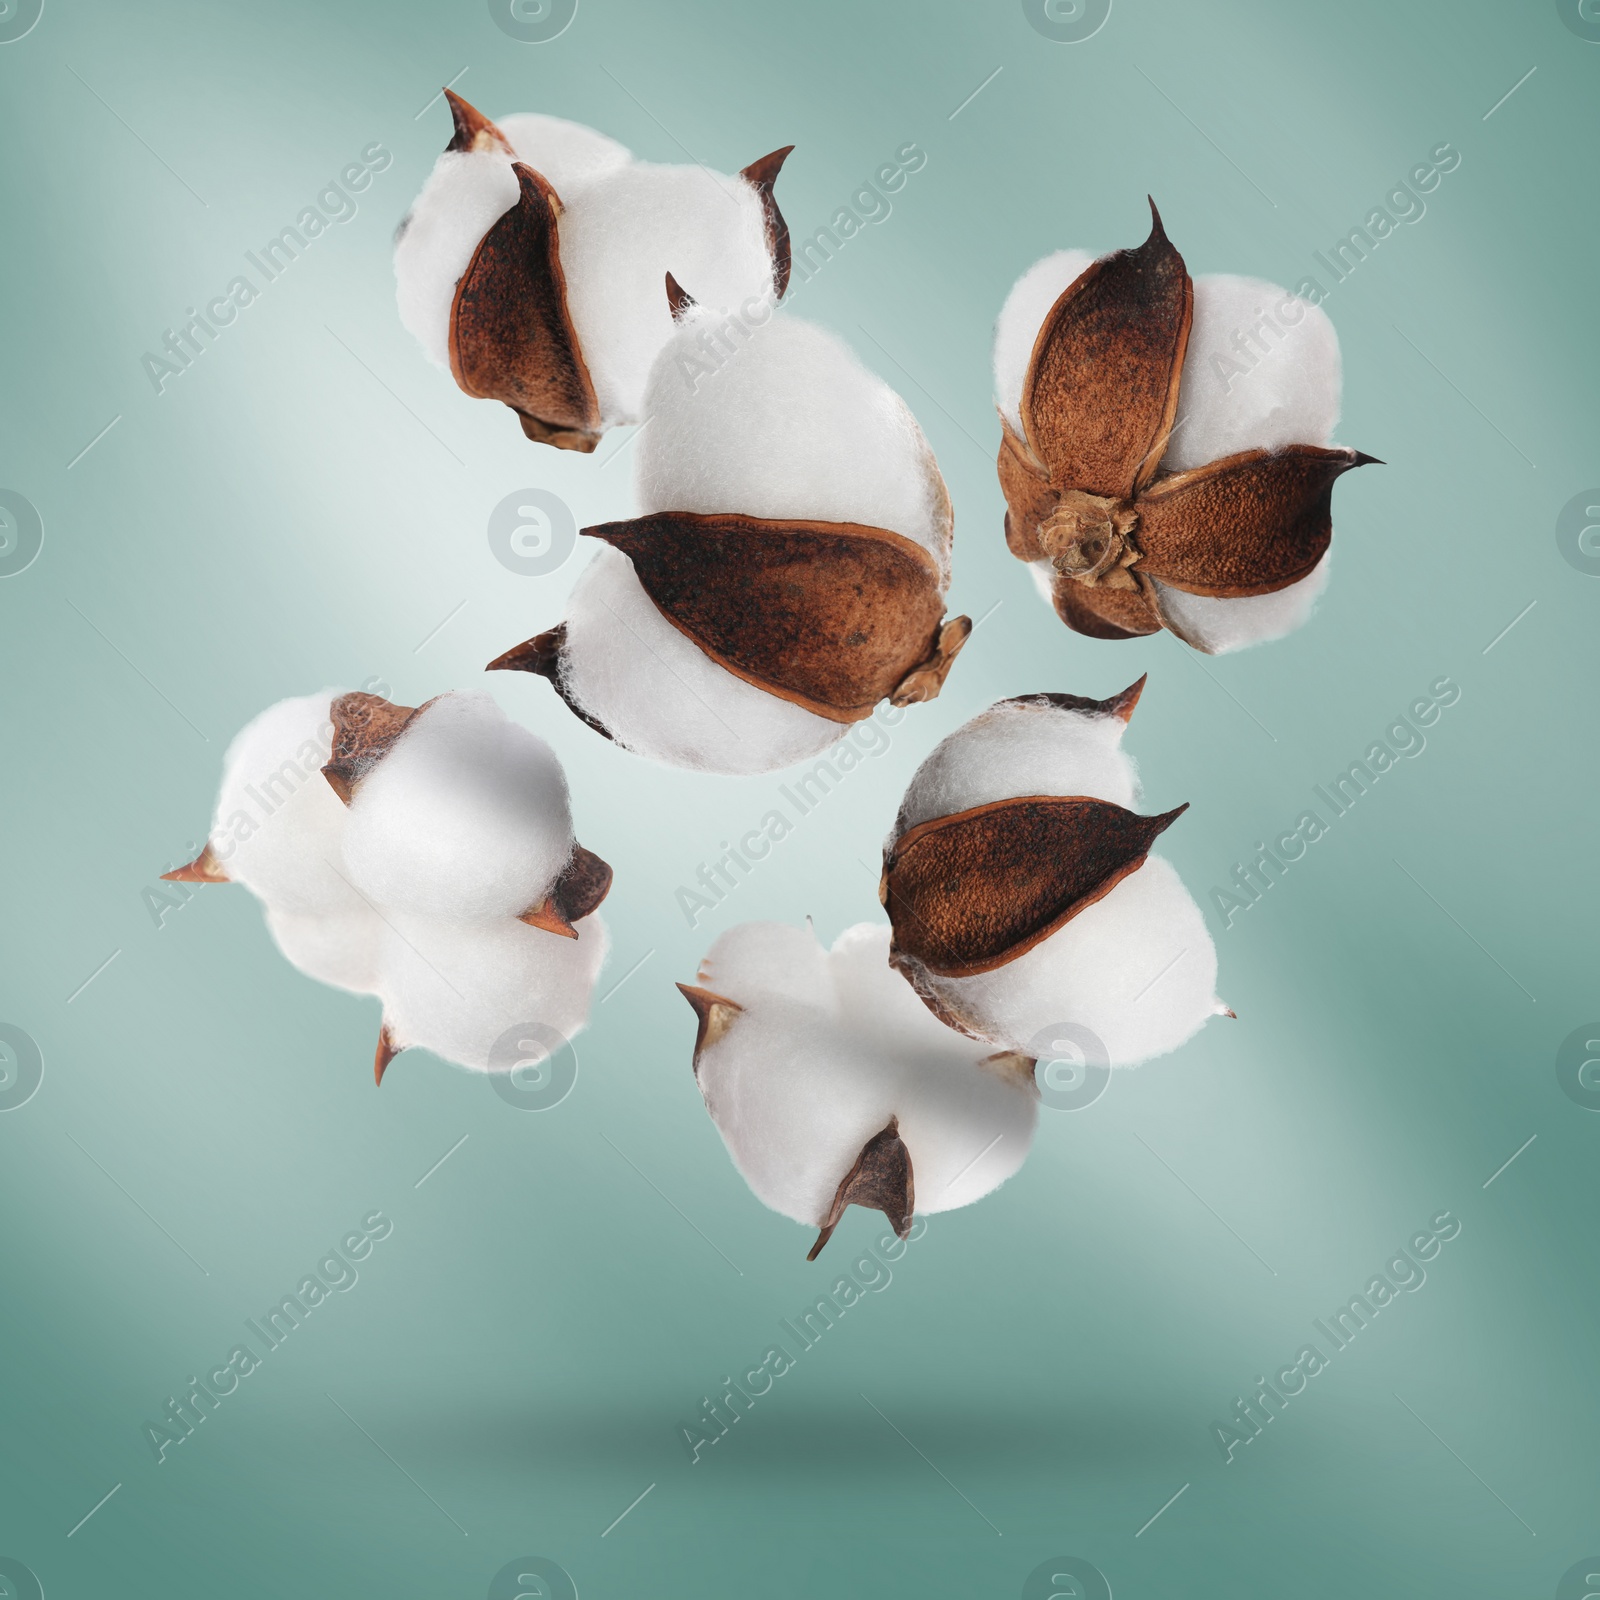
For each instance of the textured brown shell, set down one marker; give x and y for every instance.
(881, 1180)
(762, 176)
(1251, 523)
(542, 655)
(1102, 384)
(365, 727)
(511, 336)
(973, 891)
(584, 883)
(1103, 613)
(832, 616)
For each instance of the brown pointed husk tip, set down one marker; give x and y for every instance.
(881, 1180)
(473, 130)
(585, 881)
(387, 1050)
(679, 299)
(205, 868)
(714, 1015)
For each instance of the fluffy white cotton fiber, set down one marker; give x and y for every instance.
(456, 987)
(623, 233)
(467, 192)
(412, 893)
(623, 226)
(789, 426)
(278, 828)
(779, 419)
(828, 1047)
(1137, 968)
(466, 816)
(1262, 371)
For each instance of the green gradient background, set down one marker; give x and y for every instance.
(568, 1285)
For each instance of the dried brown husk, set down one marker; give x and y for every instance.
(512, 337)
(584, 882)
(969, 893)
(714, 1015)
(1082, 482)
(881, 1180)
(365, 727)
(832, 616)
(205, 868)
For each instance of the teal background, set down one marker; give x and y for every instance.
(308, 503)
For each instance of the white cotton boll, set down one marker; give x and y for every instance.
(465, 195)
(778, 419)
(340, 948)
(279, 828)
(466, 816)
(622, 233)
(1219, 626)
(1137, 968)
(1020, 748)
(769, 958)
(657, 693)
(456, 988)
(1262, 371)
(797, 1086)
(566, 154)
(1021, 317)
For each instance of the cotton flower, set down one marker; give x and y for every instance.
(531, 264)
(788, 572)
(423, 855)
(1023, 895)
(831, 1086)
(1166, 456)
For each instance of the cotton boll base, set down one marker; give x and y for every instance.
(656, 692)
(465, 817)
(826, 1049)
(1137, 969)
(457, 988)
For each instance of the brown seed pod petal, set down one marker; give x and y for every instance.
(541, 655)
(1251, 523)
(714, 1013)
(832, 616)
(881, 1179)
(762, 175)
(365, 727)
(474, 131)
(1120, 705)
(1102, 384)
(1103, 613)
(205, 868)
(511, 337)
(584, 882)
(970, 892)
(1029, 498)
(387, 1050)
